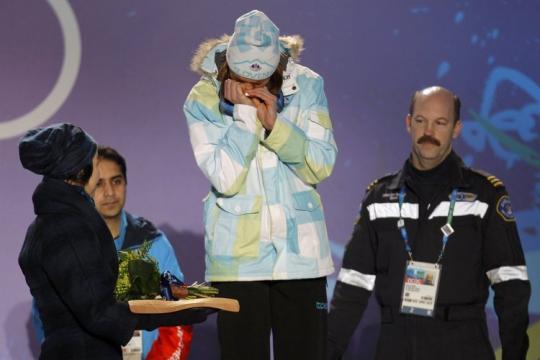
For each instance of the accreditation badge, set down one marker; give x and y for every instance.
(133, 349)
(420, 288)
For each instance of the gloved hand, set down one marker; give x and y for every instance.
(183, 317)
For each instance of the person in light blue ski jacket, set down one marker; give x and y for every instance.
(261, 133)
(263, 182)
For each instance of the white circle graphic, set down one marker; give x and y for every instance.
(65, 81)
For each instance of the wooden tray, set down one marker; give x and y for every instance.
(162, 306)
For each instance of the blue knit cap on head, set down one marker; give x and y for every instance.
(58, 151)
(253, 50)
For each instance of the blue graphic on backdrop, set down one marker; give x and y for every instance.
(443, 69)
(511, 133)
(460, 15)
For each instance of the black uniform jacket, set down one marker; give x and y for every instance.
(484, 250)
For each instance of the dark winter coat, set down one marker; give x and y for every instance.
(70, 264)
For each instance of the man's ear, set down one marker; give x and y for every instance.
(457, 129)
(408, 121)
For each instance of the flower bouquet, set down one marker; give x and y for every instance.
(145, 289)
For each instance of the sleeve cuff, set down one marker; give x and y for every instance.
(248, 115)
(282, 132)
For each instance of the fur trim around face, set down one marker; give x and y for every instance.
(294, 43)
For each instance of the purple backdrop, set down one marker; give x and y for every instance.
(120, 69)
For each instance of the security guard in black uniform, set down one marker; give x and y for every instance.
(430, 240)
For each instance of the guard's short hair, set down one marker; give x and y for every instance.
(457, 101)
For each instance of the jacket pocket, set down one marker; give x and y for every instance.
(306, 200)
(312, 240)
(317, 124)
(237, 228)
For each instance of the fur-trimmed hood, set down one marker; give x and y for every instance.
(203, 62)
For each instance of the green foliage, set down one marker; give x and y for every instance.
(196, 290)
(138, 274)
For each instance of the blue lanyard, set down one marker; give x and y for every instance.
(446, 229)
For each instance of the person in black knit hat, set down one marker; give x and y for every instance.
(68, 257)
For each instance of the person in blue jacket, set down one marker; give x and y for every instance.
(129, 232)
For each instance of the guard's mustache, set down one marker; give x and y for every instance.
(428, 139)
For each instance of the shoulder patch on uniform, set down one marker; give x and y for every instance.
(376, 181)
(504, 208)
(373, 183)
(491, 178)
